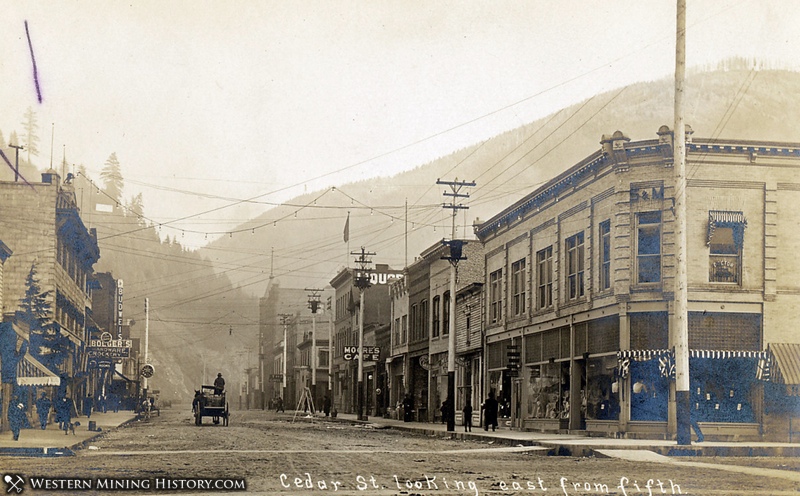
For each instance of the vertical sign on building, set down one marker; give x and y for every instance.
(119, 308)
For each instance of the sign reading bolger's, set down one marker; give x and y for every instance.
(371, 353)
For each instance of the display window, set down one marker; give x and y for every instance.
(601, 401)
(548, 391)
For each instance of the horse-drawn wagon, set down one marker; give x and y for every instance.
(210, 402)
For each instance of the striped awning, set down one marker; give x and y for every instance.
(727, 354)
(666, 359)
(725, 218)
(786, 369)
(31, 372)
(641, 355)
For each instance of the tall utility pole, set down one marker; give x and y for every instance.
(362, 283)
(454, 256)
(681, 318)
(330, 348)
(147, 340)
(285, 322)
(313, 305)
(16, 162)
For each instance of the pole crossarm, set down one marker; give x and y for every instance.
(455, 253)
(314, 299)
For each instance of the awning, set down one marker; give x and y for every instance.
(31, 372)
(117, 372)
(724, 218)
(666, 359)
(786, 367)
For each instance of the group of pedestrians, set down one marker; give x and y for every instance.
(18, 418)
(64, 408)
(489, 408)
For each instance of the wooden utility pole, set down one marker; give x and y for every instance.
(285, 322)
(313, 305)
(362, 283)
(681, 315)
(454, 256)
(16, 162)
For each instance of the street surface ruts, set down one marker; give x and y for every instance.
(261, 446)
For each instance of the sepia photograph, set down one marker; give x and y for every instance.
(435, 248)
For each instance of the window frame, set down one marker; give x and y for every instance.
(722, 262)
(518, 288)
(642, 228)
(436, 311)
(496, 296)
(574, 247)
(604, 255)
(544, 278)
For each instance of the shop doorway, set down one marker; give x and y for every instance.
(516, 403)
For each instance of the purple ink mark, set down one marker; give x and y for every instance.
(33, 60)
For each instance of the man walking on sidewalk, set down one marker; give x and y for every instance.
(490, 412)
(43, 405)
(16, 418)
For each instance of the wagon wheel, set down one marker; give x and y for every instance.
(226, 415)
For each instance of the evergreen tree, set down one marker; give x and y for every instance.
(31, 126)
(112, 178)
(46, 342)
(136, 207)
(13, 139)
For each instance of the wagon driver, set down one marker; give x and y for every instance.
(219, 384)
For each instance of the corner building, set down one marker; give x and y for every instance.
(580, 279)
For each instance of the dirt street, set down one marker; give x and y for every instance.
(272, 455)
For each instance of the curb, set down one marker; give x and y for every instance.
(82, 444)
(51, 451)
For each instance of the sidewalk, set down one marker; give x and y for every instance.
(578, 445)
(53, 442)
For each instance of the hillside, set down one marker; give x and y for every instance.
(307, 235)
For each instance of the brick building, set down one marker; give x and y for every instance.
(377, 321)
(580, 276)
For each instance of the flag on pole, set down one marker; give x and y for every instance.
(347, 228)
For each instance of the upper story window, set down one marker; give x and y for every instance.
(404, 329)
(396, 332)
(446, 313)
(544, 281)
(518, 287)
(575, 266)
(725, 240)
(605, 255)
(416, 331)
(648, 247)
(423, 310)
(436, 313)
(496, 296)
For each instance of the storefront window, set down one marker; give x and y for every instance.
(601, 399)
(548, 391)
(650, 391)
(721, 389)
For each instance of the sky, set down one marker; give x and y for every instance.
(207, 103)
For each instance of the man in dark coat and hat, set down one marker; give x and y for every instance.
(219, 384)
(16, 417)
(490, 412)
(43, 405)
